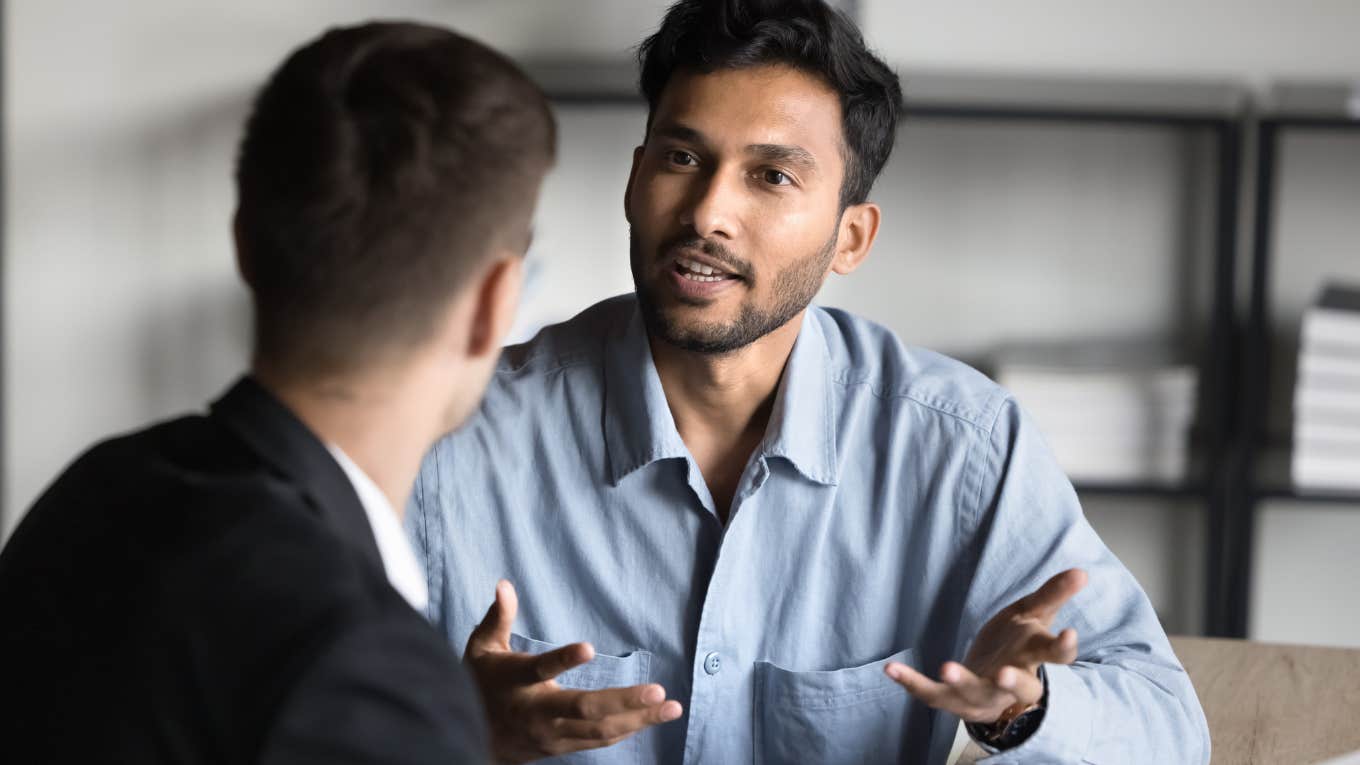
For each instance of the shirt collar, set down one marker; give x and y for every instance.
(802, 425)
(399, 561)
(640, 430)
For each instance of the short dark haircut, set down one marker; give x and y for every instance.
(379, 168)
(709, 35)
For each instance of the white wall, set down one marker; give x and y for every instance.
(1253, 40)
(580, 249)
(121, 303)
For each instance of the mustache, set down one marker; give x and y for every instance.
(715, 250)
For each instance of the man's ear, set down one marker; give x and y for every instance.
(244, 266)
(628, 189)
(497, 300)
(858, 228)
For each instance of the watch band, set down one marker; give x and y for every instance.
(1014, 726)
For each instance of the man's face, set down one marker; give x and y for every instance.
(734, 204)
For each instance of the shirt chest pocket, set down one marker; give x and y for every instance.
(854, 715)
(604, 671)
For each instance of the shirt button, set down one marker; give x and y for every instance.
(713, 663)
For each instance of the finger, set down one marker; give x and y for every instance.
(493, 633)
(524, 669)
(563, 746)
(985, 698)
(1063, 649)
(1045, 602)
(547, 666)
(1025, 686)
(612, 728)
(597, 705)
(937, 695)
(1042, 647)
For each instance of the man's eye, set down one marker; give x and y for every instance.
(682, 158)
(776, 178)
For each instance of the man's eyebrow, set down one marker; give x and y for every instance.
(678, 132)
(787, 154)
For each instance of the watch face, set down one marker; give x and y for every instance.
(1021, 728)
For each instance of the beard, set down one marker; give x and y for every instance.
(793, 290)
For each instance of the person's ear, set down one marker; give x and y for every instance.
(497, 300)
(628, 189)
(244, 266)
(858, 228)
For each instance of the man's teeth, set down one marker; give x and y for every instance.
(696, 278)
(699, 272)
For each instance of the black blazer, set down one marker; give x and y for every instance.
(209, 590)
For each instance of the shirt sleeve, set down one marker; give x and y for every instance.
(1126, 698)
(387, 691)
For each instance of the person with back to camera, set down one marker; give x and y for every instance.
(236, 587)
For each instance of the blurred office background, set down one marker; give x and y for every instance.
(1078, 258)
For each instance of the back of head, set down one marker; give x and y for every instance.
(381, 167)
(709, 35)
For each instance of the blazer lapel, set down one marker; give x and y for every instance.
(283, 441)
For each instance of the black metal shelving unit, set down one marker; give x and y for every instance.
(1215, 109)
(1208, 107)
(1256, 465)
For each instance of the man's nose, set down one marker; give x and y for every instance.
(714, 207)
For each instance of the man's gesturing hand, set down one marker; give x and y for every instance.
(532, 716)
(1002, 666)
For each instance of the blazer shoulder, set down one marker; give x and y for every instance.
(222, 533)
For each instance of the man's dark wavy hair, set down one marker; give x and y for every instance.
(710, 35)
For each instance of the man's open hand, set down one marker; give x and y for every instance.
(1002, 667)
(532, 716)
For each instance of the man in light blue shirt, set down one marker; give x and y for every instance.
(824, 546)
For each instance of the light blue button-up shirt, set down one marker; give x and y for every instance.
(898, 501)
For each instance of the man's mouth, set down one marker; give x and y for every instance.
(693, 270)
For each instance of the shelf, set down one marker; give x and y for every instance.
(955, 94)
(1272, 480)
(586, 81)
(1312, 496)
(1318, 105)
(1141, 489)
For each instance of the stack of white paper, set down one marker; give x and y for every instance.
(1111, 413)
(1327, 394)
